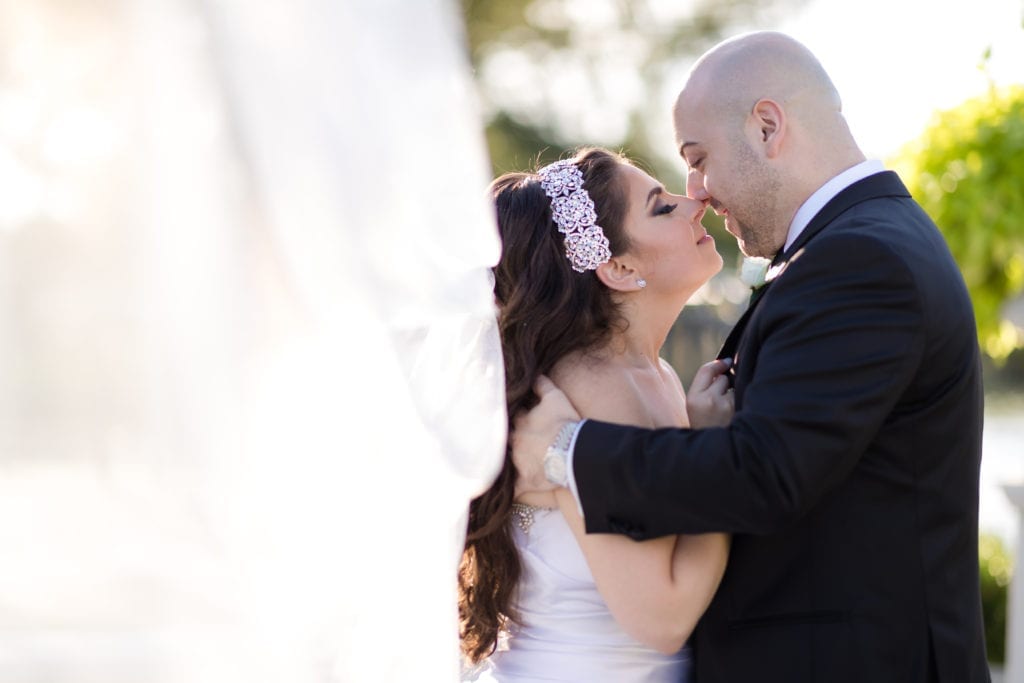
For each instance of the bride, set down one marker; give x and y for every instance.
(597, 262)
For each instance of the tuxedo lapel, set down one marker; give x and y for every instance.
(728, 349)
(732, 342)
(884, 184)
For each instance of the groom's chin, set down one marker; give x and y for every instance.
(748, 251)
(754, 249)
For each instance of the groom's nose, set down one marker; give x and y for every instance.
(695, 187)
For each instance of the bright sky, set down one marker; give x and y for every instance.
(896, 61)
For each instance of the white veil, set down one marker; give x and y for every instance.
(268, 482)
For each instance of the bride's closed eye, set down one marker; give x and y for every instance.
(665, 209)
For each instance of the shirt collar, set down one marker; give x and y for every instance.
(817, 201)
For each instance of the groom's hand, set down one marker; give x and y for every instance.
(534, 431)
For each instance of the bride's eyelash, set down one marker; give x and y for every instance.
(666, 209)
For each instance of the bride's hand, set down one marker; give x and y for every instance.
(709, 403)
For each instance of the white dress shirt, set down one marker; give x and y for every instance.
(824, 194)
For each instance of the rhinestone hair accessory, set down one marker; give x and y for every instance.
(586, 247)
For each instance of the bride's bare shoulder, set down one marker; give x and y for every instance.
(600, 389)
(673, 376)
(580, 372)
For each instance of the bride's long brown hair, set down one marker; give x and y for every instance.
(546, 310)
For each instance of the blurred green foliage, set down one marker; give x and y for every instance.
(966, 169)
(996, 572)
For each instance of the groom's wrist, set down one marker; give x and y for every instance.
(556, 460)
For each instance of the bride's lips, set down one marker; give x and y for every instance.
(705, 237)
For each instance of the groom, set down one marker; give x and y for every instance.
(849, 474)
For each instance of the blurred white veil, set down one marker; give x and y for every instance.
(253, 369)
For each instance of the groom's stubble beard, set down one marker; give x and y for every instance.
(755, 213)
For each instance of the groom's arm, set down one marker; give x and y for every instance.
(838, 347)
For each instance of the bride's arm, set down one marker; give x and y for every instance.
(656, 589)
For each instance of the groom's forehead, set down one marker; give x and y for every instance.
(689, 126)
(689, 108)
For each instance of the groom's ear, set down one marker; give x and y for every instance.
(618, 275)
(769, 119)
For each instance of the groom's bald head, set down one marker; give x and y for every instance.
(738, 72)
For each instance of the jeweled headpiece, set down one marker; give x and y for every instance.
(586, 247)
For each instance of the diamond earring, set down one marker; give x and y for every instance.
(641, 283)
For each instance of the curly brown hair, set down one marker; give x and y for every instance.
(545, 311)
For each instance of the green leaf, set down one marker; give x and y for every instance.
(966, 170)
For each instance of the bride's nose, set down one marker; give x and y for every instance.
(694, 208)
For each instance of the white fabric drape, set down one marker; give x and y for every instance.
(253, 460)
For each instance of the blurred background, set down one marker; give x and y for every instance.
(188, 188)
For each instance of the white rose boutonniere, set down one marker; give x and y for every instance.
(754, 272)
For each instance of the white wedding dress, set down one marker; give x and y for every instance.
(568, 633)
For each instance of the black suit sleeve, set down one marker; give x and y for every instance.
(827, 356)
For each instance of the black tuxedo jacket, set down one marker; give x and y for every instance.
(849, 475)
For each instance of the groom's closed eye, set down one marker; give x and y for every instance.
(682, 152)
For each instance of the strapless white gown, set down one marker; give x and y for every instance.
(568, 633)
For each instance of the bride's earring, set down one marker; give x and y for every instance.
(641, 283)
